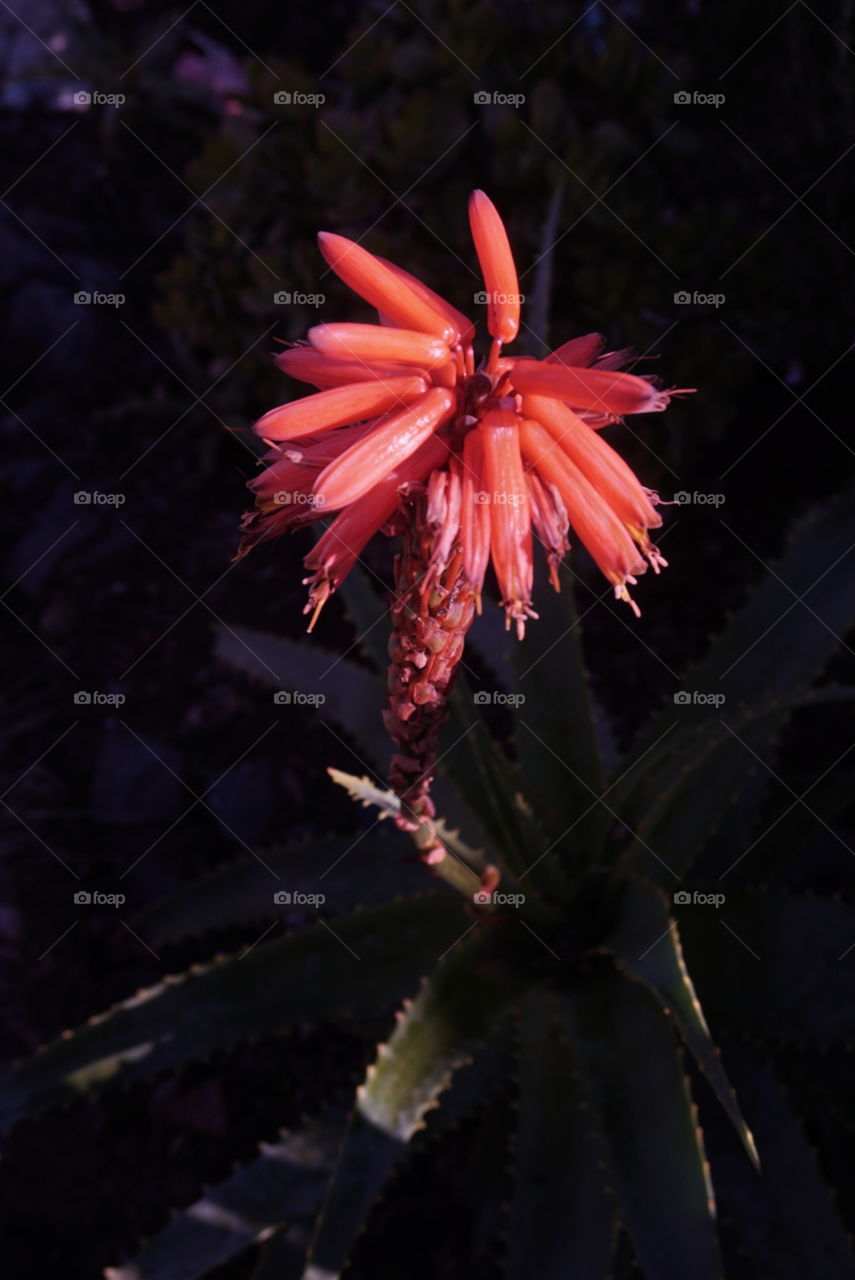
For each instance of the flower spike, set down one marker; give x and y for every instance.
(410, 435)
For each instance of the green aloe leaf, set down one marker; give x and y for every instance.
(370, 615)
(674, 810)
(557, 739)
(493, 645)
(785, 633)
(276, 1197)
(773, 965)
(282, 1257)
(774, 643)
(791, 834)
(367, 960)
(790, 1212)
(633, 1074)
(490, 784)
(563, 1218)
(387, 803)
(367, 867)
(645, 945)
(353, 696)
(280, 1190)
(455, 1010)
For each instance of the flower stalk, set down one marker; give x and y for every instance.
(433, 609)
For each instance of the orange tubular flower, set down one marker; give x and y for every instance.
(598, 527)
(616, 393)
(407, 427)
(497, 266)
(366, 343)
(383, 288)
(510, 514)
(337, 407)
(356, 471)
(474, 512)
(308, 365)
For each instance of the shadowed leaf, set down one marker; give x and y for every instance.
(646, 945)
(787, 1219)
(556, 734)
(631, 1067)
(774, 965)
(435, 1035)
(367, 867)
(283, 1185)
(563, 1218)
(353, 696)
(367, 960)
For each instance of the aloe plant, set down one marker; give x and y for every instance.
(567, 1008)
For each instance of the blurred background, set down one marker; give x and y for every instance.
(678, 177)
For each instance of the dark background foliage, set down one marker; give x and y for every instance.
(198, 199)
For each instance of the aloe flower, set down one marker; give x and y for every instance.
(468, 461)
(516, 439)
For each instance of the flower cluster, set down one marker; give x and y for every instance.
(503, 448)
